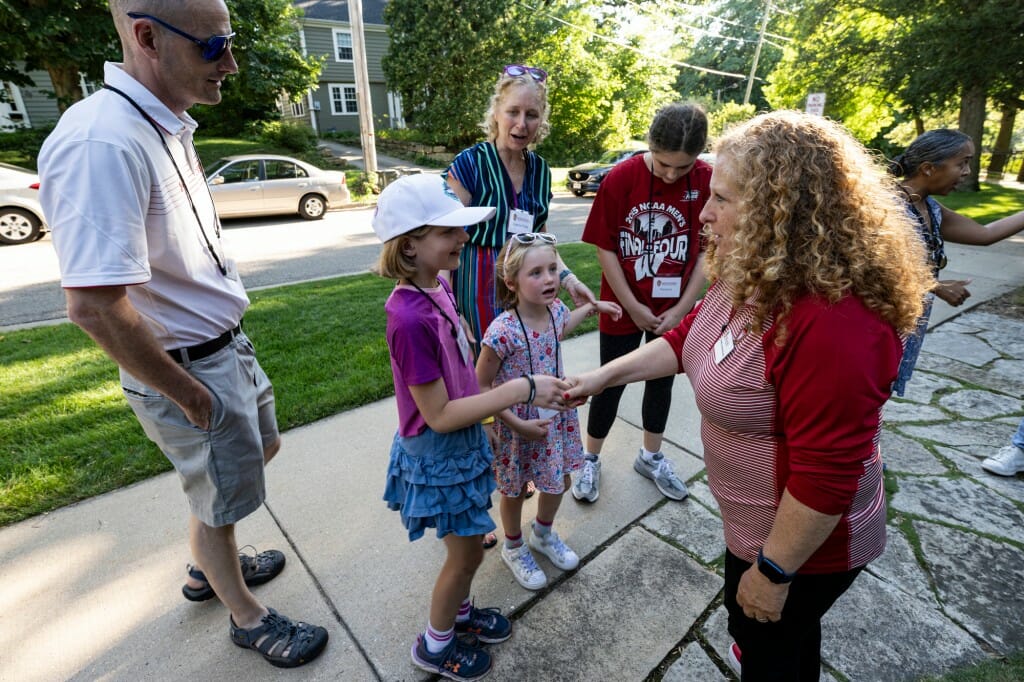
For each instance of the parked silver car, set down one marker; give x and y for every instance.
(264, 184)
(21, 216)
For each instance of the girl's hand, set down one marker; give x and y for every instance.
(953, 291)
(492, 436)
(669, 321)
(550, 392)
(533, 429)
(613, 310)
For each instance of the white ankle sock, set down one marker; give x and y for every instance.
(647, 454)
(436, 641)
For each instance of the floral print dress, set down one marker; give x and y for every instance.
(545, 462)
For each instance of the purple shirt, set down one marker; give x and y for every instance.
(423, 350)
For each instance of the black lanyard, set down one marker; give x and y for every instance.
(184, 185)
(455, 331)
(529, 353)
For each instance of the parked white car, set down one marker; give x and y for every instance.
(21, 216)
(264, 184)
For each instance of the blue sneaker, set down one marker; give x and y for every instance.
(458, 661)
(487, 625)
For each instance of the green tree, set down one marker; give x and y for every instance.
(62, 37)
(444, 57)
(270, 63)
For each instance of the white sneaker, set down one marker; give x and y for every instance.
(1007, 462)
(659, 470)
(524, 567)
(585, 487)
(553, 548)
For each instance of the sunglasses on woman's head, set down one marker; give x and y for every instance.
(213, 47)
(539, 75)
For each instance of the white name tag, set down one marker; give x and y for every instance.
(464, 345)
(667, 287)
(520, 221)
(544, 413)
(723, 346)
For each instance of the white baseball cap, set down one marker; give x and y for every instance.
(413, 201)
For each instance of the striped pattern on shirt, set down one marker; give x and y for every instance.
(804, 418)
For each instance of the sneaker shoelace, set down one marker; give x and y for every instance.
(586, 475)
(483, 618)
(556, 544)
(459, 655)
(528, 562)
(664, 470)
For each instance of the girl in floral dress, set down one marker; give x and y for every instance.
(532, 444)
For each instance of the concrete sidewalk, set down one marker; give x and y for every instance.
(91, 591)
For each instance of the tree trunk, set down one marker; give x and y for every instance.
(66, 84)
(972, 122)
(1001, 150)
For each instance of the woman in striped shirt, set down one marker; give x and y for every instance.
(816, 271)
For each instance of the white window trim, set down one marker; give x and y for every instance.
(330, 92)
(334, 44)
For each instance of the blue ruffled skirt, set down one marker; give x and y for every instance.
(442, 481)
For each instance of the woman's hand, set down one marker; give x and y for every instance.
(953, 291)
(582, 387)
(550, 392)
(760, 598)
(580, 292)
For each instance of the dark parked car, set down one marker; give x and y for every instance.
(587, 177)
(264, 184)
(21, 216)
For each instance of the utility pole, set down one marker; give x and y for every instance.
(363, 101)
(757, 52)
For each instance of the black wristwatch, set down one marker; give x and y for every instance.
(772, 570)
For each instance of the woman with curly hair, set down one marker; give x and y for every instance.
(816, 271)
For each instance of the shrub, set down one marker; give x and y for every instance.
(292, 136)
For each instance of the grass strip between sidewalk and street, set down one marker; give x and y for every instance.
(66, 432)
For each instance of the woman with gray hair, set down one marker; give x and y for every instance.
(935, 163)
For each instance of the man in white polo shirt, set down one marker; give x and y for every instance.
(147, 278)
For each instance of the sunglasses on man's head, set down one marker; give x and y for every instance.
(213, 47)
(539, 75)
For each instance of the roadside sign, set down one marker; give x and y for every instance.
(816, 103)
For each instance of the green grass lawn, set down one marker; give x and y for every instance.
(66, 432)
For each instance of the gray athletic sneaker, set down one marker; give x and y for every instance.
(660, 471)
(587, 479)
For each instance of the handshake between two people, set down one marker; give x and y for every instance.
(565, 393)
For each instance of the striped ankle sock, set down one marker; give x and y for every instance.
(437, 640)
(513, 541)
(464, 610)
(542, 528)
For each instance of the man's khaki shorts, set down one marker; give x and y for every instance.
(221, 469)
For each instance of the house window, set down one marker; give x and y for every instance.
(342, 45)
(343, 100)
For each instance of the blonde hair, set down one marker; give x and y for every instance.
(510, 262)
(393, 263)
(501, 89)
(817, 214)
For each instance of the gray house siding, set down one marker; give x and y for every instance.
(320, 40)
